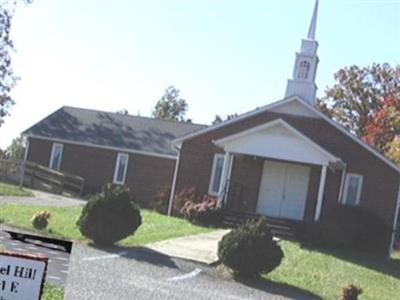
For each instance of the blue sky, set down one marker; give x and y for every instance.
(224, 56)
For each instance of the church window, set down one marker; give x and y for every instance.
(304, 69)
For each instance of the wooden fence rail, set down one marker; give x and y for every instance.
(33, 175)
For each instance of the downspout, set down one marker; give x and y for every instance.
(23, 164)
(172, 194)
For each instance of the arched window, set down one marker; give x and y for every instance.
(304, 69)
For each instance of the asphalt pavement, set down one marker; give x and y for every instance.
(58, 264)
(140, 273)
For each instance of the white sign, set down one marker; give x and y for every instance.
(21, 276)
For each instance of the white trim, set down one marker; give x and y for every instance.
(321, 190)
(341, 188)
(119, 157)
(396, 219)
(53, 149)
(224, 178)
(172, 194)
(312, 108)
(275, 122)
(234, 120)
(231, 158)
(212, 177)
(103, 147)
(359, 188)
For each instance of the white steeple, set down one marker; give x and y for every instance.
(303, 79)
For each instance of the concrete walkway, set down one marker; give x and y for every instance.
(200, 247)
(43, 199)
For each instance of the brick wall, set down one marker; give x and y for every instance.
(145, 176)
(380, 185)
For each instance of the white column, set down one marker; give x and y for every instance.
(342, 180)
(396, 218)
(224, 178)
(320, 193)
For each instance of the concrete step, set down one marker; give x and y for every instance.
(279, 227)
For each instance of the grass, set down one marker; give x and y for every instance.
(396, 255)
(325, 274)
(51, 292)
(13, 190)
(155, 227)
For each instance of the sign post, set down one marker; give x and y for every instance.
(22, 276)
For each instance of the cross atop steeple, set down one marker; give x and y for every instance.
(302, 83)
(313, 24)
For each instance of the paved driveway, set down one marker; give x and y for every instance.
(140, 273)
(43, 199)
(58, 258)
(199, 247)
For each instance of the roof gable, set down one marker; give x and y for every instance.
(290, 105)
(277, 139)
(295, 108)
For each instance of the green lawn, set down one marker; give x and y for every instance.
(13, 190)
(52, 293)
(324, 274)
(155, 227)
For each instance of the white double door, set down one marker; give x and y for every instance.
(283, 190)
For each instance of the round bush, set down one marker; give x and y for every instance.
(40, 220)
(109, 216)
(250, 250)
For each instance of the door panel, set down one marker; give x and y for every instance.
(283, 190)
(295, 192)
(271, 189)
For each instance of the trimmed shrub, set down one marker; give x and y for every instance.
(250, 249)
(40, 220)
(161, 200)
(350, 292)
(205, 212)
(350, 228)
(109, 216)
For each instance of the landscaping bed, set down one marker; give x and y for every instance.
(13, 190)
(155, 227)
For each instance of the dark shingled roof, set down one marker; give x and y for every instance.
(112, 130)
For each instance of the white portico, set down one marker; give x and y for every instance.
(287, 156)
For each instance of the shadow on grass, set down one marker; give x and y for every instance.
(278, 288)
(382, 265)
(138, 253)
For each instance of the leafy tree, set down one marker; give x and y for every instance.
(2, 154)
(393, 151)
(17, 149)
(171, 106)
(357, 94)
(7, 77)
(384, 124)
(123, 111)
(218, 119)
